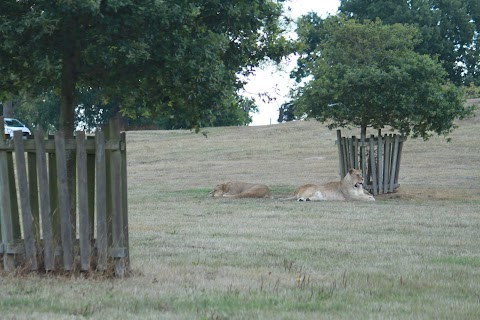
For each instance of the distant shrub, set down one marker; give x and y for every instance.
(472, 91)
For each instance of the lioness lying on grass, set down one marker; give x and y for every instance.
(350, 188)
(235, 189)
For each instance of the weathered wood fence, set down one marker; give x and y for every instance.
(378, 158)
(63, 202)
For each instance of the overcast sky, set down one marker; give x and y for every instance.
(277, 83)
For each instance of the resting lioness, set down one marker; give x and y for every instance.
(234, 189)
(350, 188)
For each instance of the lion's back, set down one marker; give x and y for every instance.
(248, 190)
(306, 191)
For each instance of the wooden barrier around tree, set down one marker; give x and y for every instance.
(53, 218)
(378, 158)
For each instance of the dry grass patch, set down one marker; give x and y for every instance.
(412, 254)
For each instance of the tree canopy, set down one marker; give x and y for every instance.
(367, 74)
(179, 58)
(450, 29)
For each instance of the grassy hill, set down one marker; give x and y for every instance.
(413, 254)
(287, 155)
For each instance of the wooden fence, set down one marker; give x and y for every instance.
(378, 158)
(63, 202)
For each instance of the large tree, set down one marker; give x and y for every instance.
(166, 55)
(367, 75)
(450, 29)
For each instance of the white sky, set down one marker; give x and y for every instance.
(277, 83)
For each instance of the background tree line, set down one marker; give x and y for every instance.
(177, 64)
(384, 63)
(170, 64)
(449, 30)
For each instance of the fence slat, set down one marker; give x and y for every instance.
(373, 168)
(386, 164)
(397, 172)
(345, 155)
(123, 140)
(363, 156)
(6, 221)
(91, 193)
(53, 191)
(64, 202)
(44, 199)
(101, 190)
(355, 152)
(33, 192)
(351, 156)
(380, 160)
(13, 197)
(30, 247)
(82, 189)
(116, 194)
(394, 162)
(340, 156)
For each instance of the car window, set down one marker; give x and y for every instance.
(13, 123)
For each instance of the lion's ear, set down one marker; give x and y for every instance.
(351, 170)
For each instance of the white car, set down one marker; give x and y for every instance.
(12, 125)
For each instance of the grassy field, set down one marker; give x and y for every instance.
(412, 254)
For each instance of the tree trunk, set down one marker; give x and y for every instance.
(8, 109)
(363, 131)
(67, 123)
(67, 102)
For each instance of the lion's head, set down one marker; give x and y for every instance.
(355, 177)
(218, 191)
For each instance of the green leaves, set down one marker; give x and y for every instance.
(367, 75)
(449, 29)
(175, 58)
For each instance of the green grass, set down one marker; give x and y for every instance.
(413, 254)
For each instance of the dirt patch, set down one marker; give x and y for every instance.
(418, 193)
(473, 101)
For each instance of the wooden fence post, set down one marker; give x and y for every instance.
(123, 146)
(33, 192)
(386, 164)
(340, 154)
(363, 157)
(64, 202)
(399, 159)
(54, 205)
(101, 196)
(373, 167)
(380, 150)
(82, 189)
(351, 155)
(6, 220)
(115, 164)
(394, 162)
(28, 232)
(45, 209)
(355, 152)
(13, 197)
(91, 190)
